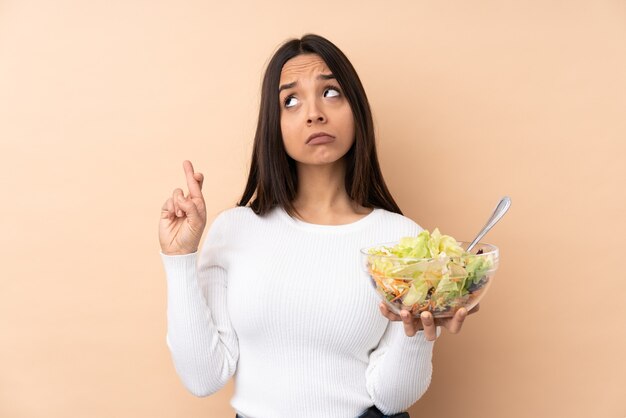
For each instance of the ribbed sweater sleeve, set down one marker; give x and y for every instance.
(400, 369)
(200, 336)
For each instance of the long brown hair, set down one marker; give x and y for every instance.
(273, 174)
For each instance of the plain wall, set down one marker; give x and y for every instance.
(101, 101)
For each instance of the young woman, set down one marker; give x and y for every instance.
(276, 297)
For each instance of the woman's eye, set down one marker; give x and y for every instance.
(332, 89)
(288, 99)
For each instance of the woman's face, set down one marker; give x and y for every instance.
(311, 102)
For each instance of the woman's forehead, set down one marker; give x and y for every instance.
(303, 65)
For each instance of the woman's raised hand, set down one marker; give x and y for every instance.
(183, 218)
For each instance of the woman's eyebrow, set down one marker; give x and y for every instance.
(292, 85)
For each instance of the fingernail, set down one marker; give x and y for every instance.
(180, 213)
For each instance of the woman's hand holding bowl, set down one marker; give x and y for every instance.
(426, 323)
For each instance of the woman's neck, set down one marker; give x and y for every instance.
(322, 196)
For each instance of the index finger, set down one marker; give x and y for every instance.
(194, 186)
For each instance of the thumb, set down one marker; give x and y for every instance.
(189, 208)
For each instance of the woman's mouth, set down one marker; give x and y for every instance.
(320, 138)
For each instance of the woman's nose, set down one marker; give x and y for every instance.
(315, 114)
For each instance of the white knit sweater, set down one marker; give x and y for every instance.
(285, 307)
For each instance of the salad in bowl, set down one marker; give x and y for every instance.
(430, 272)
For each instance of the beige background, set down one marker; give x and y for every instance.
(101, 101)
